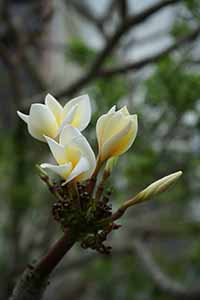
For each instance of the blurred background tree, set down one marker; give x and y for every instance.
(144, 54)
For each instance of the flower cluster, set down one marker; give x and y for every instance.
(60, 127)
(82, 202)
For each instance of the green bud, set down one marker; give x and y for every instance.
(110, 164)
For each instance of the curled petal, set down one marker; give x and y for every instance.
(42, 122)
(23, 116)
(84, 147)
(57, 150)
(121, 141)
(114, 146)
(83, 112)
(68, 134)
(62, 170)
(112, 110)
(79, 172)
(55, 107)
(71, 137)
(68, 118)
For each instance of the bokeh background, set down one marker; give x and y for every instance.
(146, 55)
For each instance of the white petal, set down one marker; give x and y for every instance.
(115, 123)
(84, 147)
(62, 170)
(68, 118)
(124, 110)
(42, 122)
(57, 150)
(68, 134)
(55, 107)
(108, 125)
(101, 123)
(71, 136)
(111, 147)
(23, 116)
(81, 167)
(83, 113)
(100, 127)
(112, 110)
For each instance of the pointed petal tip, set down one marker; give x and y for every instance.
(48, 95)
(22, 116)
(178, 173)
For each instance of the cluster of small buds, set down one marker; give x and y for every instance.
(58, 210)
(103, 210)
(64, 209)
(107, 196)
(96, 242)
(83, 195)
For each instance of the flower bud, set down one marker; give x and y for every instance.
(116, 132)
(153, 189)
(110, 164)
(160, 185)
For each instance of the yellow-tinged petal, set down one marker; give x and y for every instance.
(86, 151)
(101, 124)
(41, 122)
(116, 123)
(124, 110)
(62, 170)
(68, 118)
(73, 154)
(68, 135)
(73, 148)
(72, 137)
(116, 131)
(57, 150)
(79, 171)
(83, 112)
(116, 145)
(55, 108)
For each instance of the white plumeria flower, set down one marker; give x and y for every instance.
(73, 154)
(50, 118)
(116, 132)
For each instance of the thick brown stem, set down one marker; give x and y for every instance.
(33, 282)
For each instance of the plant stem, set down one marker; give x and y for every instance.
(101, 185)
(93, 179)
(34, 280)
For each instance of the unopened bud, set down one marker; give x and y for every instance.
(160, 185)
(153, 189)
(110, 164)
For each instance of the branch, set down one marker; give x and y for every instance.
(33, 282)
(112, 43)
(84, 11)
(151, 59)
(123, 9)
(160, 279)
